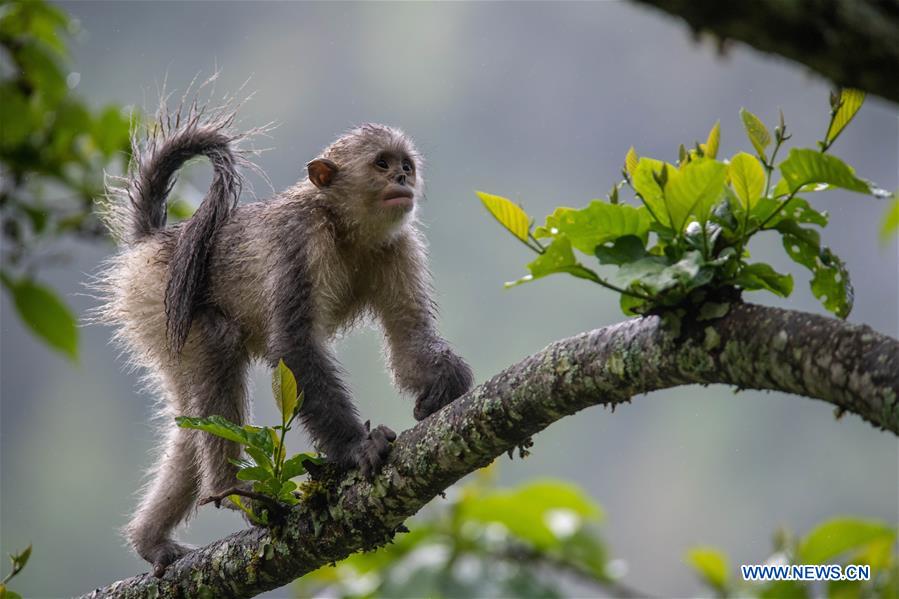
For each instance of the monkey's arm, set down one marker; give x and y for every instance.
(422, 362)
(328, 412)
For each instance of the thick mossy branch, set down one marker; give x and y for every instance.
(854, 43)
(752, 347)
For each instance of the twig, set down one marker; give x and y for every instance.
(274, 504)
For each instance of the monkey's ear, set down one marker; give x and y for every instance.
(322, 172)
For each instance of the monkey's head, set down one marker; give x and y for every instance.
(373, 175)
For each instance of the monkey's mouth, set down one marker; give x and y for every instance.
(398, 195)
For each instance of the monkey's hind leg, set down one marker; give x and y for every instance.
(167, 501)
(219, 389)
(207, 379)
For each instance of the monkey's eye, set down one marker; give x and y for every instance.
(407, 166)
(382, 163)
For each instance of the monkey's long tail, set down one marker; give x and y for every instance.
(135, 206)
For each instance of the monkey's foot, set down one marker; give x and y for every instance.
(453, 379)
(372, 452)
(164, 554)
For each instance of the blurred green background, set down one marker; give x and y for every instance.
(537, 102)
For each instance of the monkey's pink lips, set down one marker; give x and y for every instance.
(398, 195)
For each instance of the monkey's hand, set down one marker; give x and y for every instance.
(372, 452)
(452, 378)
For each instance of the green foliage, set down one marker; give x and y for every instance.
(840, 541)
(685, 245)
(711, 565)
(47, 316)
(525, 541)
(483, 542)
(18, 562)
(54, 150)
(266, 465)
(891, 219)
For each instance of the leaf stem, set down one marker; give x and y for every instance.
(774, 213)
(536, 242)
(279, 459)
(600, 281)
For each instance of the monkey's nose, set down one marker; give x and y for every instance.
(401, 178)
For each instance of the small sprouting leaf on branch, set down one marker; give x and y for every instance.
(646, 185)
(711, 565)
(748, 179)
(757, 133)
(509, 214)
(710, 147)
(284, 389)
(268, 467)
(694, 190)
(850, 102)
(630, 161)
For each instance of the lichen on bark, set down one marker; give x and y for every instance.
(751, 347)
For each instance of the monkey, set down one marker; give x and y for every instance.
(194, 304)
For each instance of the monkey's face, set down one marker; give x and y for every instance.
(374, 172)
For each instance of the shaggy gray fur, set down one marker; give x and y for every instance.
(267, 281)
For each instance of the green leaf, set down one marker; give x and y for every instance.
(215, 425)
(534, 512)
(180, 210)
(784, 589)
(253, 473)
(694, 190)
(757, 132)
(262, 458)
(557, 258)
(839, 535)
(851, 101)
(710, 148)
(630, 161)
(748, 178)
(830, 279)
(294, 466)
(628, 248)
(646, 185)
(20, 559)
(45, 314)
(890, 225)
(284, 388)
(804, 166)
(762, 276)
(598, 223)
(236, 500)
(711, 564)
(797, 209)
(686, 274)
(509, 214)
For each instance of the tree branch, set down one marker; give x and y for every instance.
(854, 43)
(752, 347)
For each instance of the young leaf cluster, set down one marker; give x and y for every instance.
(18, 561)
(682, 242)
(842, 540)
(484, 542)
(265, 467)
